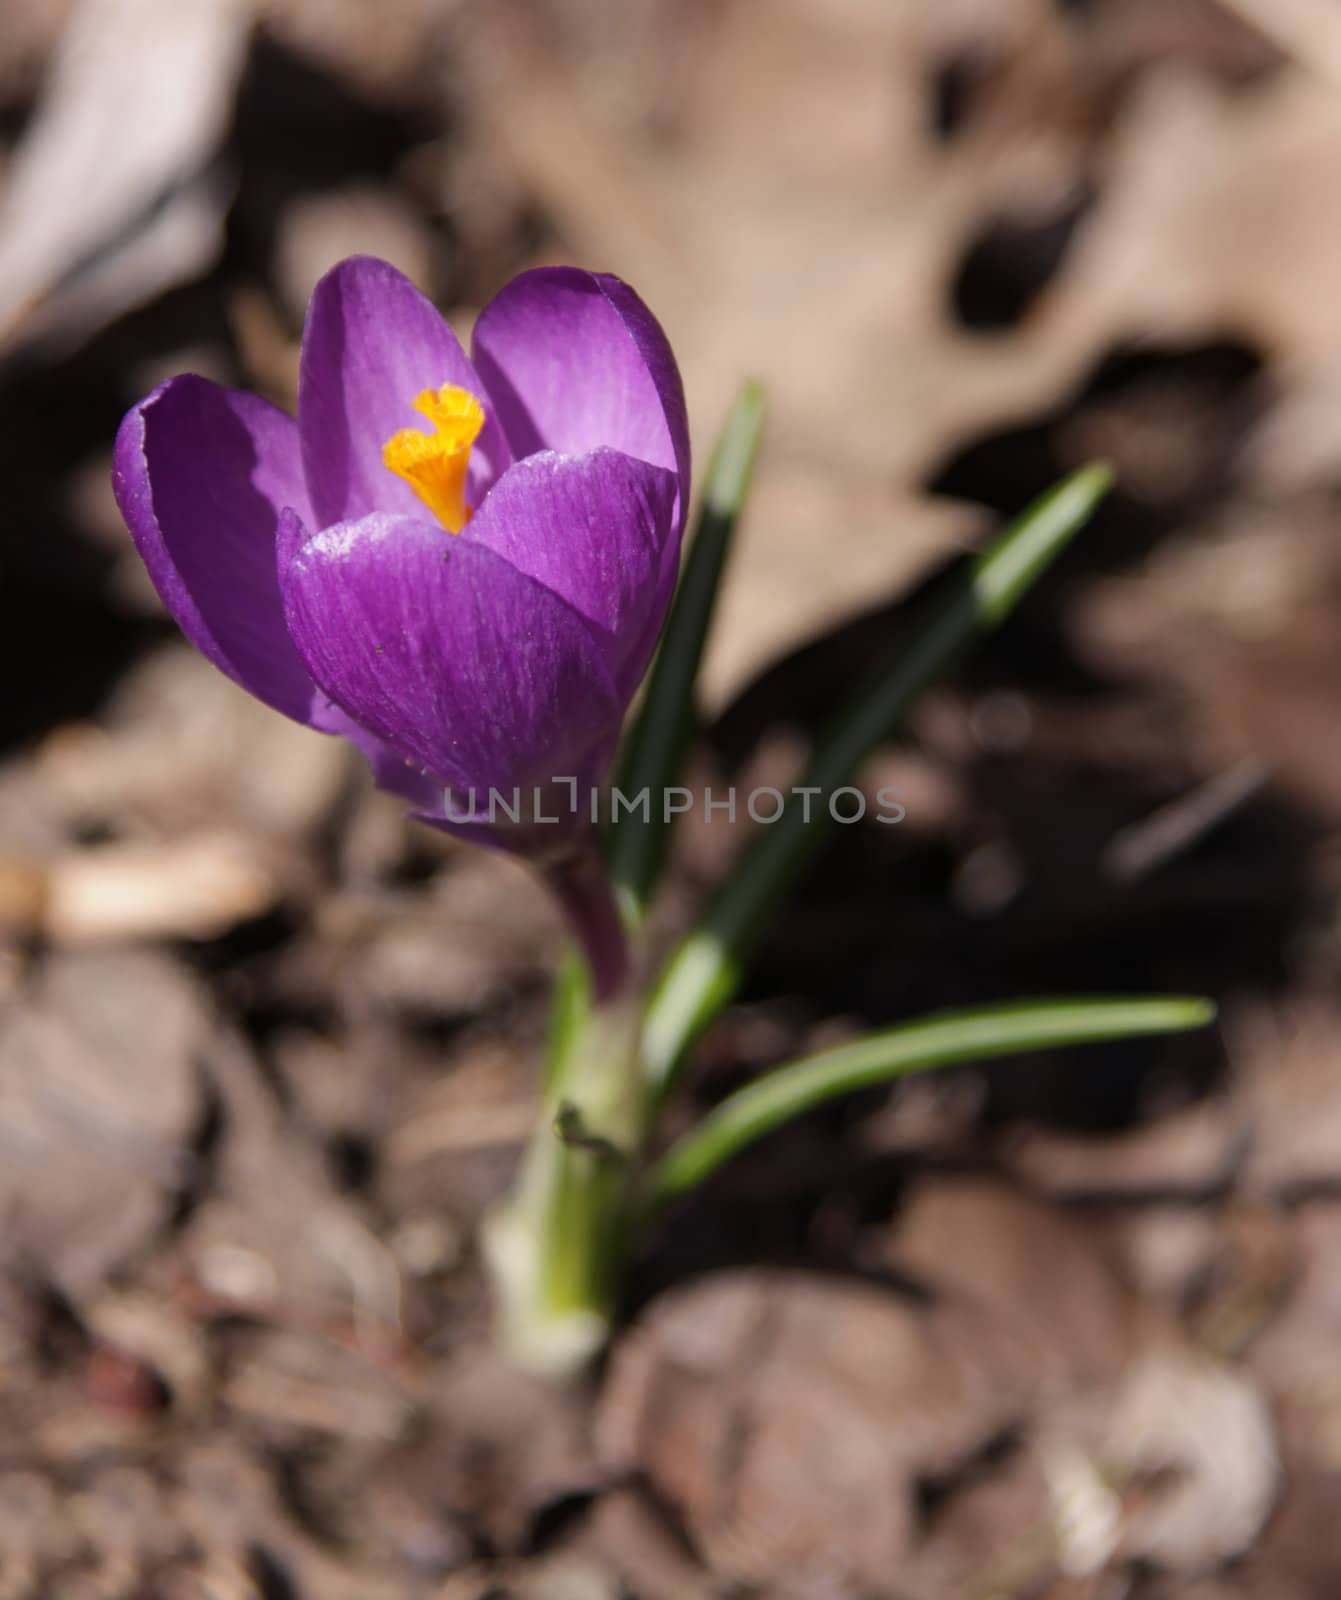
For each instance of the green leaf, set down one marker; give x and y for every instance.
(975, 597)
(939, 1041)
(654, 749)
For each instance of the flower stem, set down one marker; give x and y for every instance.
(579, 882)
(557, 1249)
(557, 1246)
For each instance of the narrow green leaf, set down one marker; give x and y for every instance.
(939, 1041)
(654, 749)
(1008, 568)
(703, 973)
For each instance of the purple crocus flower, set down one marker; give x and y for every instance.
(460, 564)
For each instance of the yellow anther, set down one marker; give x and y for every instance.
(434, 464)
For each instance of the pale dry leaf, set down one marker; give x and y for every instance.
(194, 887)
(1204, 1432)
(275, 1238)
(869, 380)
(1192, 1151)
(770, 1409)
(99, 1099)
(111, 196)
(847, 544)
(1035, 1273)
(805, 223)
(1217, 216)
(181, 748)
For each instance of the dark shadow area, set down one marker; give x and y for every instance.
(955, 87)
(1010, 262)
(61, 645)
(300, 131)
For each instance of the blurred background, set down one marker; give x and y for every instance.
(1064, 1329)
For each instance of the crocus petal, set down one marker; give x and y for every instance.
(372, 343)
(292, 532)
(201, 475)
(591, 528)
(457, 661)
(574, 360)
(391, 772)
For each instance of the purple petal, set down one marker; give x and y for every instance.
(419, 789)
(461, 664)
(592, 528)
(390, 771)
(574, 360)
(371, 344)
(201, 474)
(291, 533)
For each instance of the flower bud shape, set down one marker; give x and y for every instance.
(459, 563)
